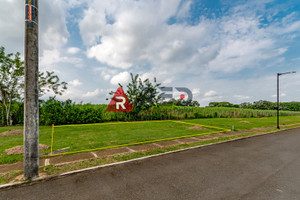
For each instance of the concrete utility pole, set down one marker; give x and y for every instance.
(31, 97)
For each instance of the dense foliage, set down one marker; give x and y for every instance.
(181, 102)
(12, 84)
(223, 104)
(260, 105)
(53, 111)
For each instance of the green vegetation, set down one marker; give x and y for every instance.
(142, 94)
(103, 135)
(76, 138)
(7, 142)
(58, 112)
(12, 86)
(147, 104)
(9, 176)
(260, 105)
(52, 170)
(241, 124)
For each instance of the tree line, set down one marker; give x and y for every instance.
(260, 105)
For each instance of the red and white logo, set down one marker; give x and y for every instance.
(119, 102)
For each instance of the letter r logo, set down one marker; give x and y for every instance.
(118, 104)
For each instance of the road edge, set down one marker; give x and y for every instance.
(48, 178)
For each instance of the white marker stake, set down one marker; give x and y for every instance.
(120, 103)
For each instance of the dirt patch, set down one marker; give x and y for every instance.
(144, 147)
(249, 130)
(20, 149)
(237, 119)
(246, 122)
(21, 177)
(197, 128)
(18, 178)
(12, 132)
(291, 124)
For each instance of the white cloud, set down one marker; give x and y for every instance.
(53, 25)
(281, 95)
(137, 36)
(51, 57)
(12, 25)
(51, 38)
(167, 81)
(106, 77)
(107, 53)
(53, 33)
(105, 72)
(75, 83)
(206, 100)
(210, 93)
(196, 92)
(131, 39)
(122, 78)
(147, 75)
(73, 50)
(241, 97)
(91, 94)
(127, 34)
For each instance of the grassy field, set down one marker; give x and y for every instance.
(77, 138)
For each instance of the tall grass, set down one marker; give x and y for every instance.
(181, 112)
(58, 112)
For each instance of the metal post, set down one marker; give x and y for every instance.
(278, 74)
(31, 106)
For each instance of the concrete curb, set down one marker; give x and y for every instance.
(42, 179)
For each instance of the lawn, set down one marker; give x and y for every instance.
(84, 137)
(247, 123)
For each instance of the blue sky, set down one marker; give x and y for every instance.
(222, 50)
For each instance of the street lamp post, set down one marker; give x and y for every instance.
(279, 74)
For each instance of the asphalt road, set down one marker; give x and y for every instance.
(263, 167)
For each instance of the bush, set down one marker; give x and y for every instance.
(53, 111)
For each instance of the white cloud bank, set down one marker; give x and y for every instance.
(122, 78)
(126, 34)
(138, 36)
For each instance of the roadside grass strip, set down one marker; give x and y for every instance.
(212, 130)
(206, 126)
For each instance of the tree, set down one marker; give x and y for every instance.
(221, 104)
(48, 81)
(182, 102)
(12, 81)
(141, 94)
(263, 105)
(11, 71)
(246, 105)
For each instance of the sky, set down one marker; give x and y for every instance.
(222, 50)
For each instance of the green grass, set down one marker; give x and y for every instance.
(103, 135)
(53, 170)
(77, 138)
(9, 176)
(7, 142)
(242, 123)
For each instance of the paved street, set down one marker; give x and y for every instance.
(263, 167)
